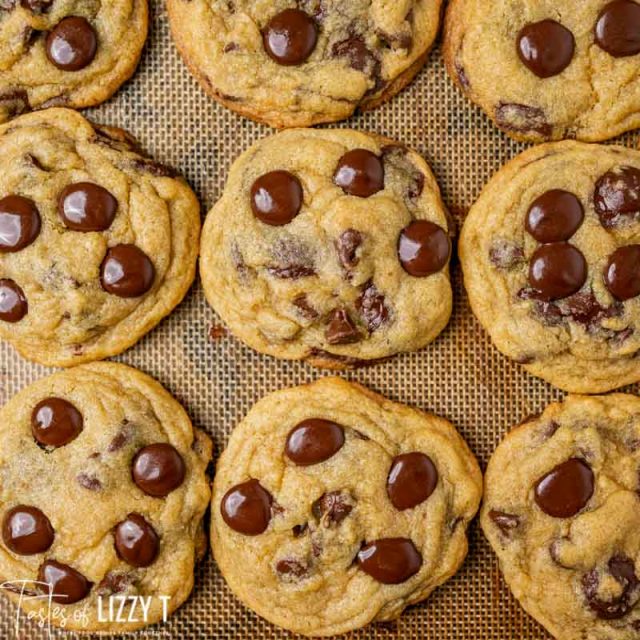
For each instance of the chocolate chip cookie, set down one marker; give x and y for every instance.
(102, 497)
(293, 64)
(552, 265)
(67, 52)
(97, 242)
(561, 511)
(549, 70)
(334, 507)
(331, 246)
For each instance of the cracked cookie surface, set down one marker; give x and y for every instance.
(330, 246)
(334, 507)
(549, 70)
(103, 493)
(70, 53)
(561, 510)
(293, 64)
(97, 242)
(551, 264)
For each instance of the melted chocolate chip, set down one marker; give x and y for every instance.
(372, 308)
(617, 196)
(290, 37)
(622, 569)
(26, 530)
(14, 102)
(246, 508)
(304, 307)
(390, 560)
(622, 275)
(347, 246)
(412, 479)
(276, 198)
(566, 489)
(360, 173)
(87, 207)
(555, 216)
(332, 507)
(359, 56)
(341, 329)
(13, 303)
(313, 441)
(158, 469)
(72, 44)
(19, 223)
(292, 569)
(136, 541)
(506, 522)
(67, 585)
(557, 270)
(506, 255)
(618, 28)
(423, 248)
(523, 118)
(55, 422)
(115, 582)
(546, 48)
(37, 6)
(126, 271)
(89, 482)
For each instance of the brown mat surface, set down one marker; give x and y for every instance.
(460, 376)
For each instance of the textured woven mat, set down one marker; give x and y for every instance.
(460, 376)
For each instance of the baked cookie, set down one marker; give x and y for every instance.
(561, 511)
(552, 265)
(334, 507)
(102, 498)
(548, 70)
(97, 242)
(68, 53)
(329, 245)
(294, 64)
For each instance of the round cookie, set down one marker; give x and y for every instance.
(561, 512)
(548, 70)
(333, 507)
(329, 245)
(67, 52)
(102, 497)
(97, 242)
(552, 265)
(294, 64)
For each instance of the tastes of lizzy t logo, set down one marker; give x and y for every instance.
(114, 609)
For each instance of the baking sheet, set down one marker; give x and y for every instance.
(460, 376)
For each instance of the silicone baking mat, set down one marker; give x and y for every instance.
(460, 376)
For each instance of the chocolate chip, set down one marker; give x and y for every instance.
(522, 118)
(358, 55)
(246, 508)
(390, 560)
(304, 307)
(13, 303)
(347, 246)
(555, 216)
(19, 223)
(276, 198)
(341, 329)
(126, 271)
(372, 308)
(412, 479)
(622, 274)
(158, 469)
(506, 522)
(72, 44)
(66, 585)
(292, 569)
(506, 255)
(37, 6)
(294, 259)
(87, 207)
(557, 270)
(546, 48)
(89, 482)
(618, 28)
(14, 102)
(122, 438)
(622, 569)
(27, 531)
(115, 582)
(423, 248)
(617, 196)
(566, 489)
(136, 541)
(360, 173)
(55, 422)
(332, 508)
(583, 307)
(290, 37)
(313, 441)
(299, 530)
